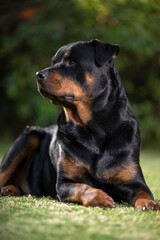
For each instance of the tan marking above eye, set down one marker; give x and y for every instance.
(89, 79)
(66, 55)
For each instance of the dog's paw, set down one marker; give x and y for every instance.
(147, 204)
(99, 199)
(10, 190)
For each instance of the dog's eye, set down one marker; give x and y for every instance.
(70, 62)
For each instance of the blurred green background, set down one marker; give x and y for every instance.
(32, 31)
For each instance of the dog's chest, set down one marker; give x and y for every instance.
(74, 169)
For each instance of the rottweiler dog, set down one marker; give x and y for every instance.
(91, 157)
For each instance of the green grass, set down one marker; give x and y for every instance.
(33, 218)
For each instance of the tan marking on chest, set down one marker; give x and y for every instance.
(73, 169)
(81, 115)
(124, 173)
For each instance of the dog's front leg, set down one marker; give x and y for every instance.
(143, 201)
(84, 194)
(138, 195)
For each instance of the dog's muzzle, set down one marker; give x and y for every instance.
(42, 75)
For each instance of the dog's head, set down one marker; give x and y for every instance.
(77, 76)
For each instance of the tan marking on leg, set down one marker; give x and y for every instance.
(139, 196)
(124, 173)
(27, 150)
(89, 196)
(10, 190)
(20, 178)
(73, 169)
(142, 201)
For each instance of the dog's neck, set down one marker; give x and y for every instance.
(88, 141)
(90, 137)
(86, 127)
(79, 114)
(109, 100)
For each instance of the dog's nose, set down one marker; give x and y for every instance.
(41, 75)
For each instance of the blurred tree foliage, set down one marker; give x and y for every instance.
(32, 31)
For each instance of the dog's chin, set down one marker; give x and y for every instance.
(55, 98)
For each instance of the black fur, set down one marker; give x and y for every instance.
(109, 140)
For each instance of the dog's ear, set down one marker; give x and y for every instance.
(104, 51)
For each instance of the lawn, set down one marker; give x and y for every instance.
(32, 218)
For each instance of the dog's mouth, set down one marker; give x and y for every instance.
(56, 98)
